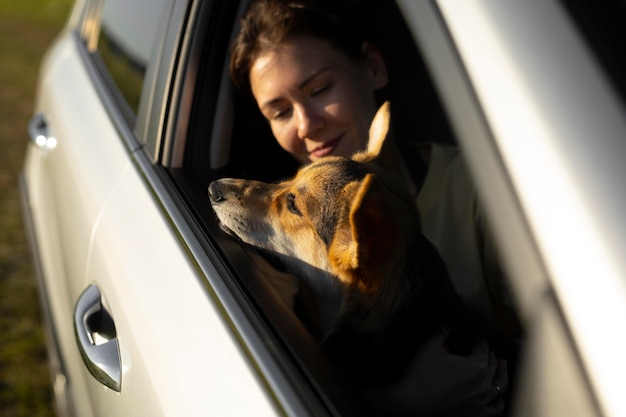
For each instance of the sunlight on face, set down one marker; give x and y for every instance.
(318, 101)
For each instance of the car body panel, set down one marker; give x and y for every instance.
(141, 268)
(80, 173)
(552, 382)
(542, 129)
(564, 156)
(67, 188)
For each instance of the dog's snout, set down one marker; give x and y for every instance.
(215, 193)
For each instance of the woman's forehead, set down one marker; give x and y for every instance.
(294, 61)
(302, 53)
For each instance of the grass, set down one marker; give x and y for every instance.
(27, 28)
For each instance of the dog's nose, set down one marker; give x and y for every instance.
(215, 193)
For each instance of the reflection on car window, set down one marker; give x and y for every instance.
(127, 37)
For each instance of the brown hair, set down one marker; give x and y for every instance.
(269, 22)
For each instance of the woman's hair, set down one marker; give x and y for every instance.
(269, 22)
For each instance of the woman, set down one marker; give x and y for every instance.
(317, 98)
(317, 78)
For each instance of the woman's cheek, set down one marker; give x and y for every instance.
(289, 141)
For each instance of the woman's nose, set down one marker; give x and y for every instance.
(310, 121)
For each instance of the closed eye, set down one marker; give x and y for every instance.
(320, 90)
(280, 114)
(291, 204)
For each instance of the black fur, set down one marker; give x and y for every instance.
(431, 306)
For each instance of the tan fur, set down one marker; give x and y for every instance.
(374, 219)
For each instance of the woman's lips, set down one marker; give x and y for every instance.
(325, 148)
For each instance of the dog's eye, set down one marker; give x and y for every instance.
(291, 204)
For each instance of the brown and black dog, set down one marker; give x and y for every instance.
(350, 228)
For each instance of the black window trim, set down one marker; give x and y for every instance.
(131, 127)
(166, 79)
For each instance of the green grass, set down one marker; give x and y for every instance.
(27, 28)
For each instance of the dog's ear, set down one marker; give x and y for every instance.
(379, 129)
(381, 147)
(360, 248)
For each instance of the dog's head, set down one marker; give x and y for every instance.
(344, 222)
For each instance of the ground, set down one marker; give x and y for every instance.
(27, 27)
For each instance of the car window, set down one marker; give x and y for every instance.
(253, 153)
(128, 36)
(221, 118)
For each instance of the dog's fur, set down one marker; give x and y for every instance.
(350, 228)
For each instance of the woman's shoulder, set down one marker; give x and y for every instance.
(446, 162)
(447, 179)
(445, 153)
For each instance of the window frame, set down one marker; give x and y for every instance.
(538, 286)
(155, 124)
(132, 127)
(276, 343)
(293, 364)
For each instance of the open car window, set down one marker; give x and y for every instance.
(219, 132)
(206, 138)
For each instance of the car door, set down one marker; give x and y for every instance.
(153, 339)
(71, 169)
(177, 352)
(133, 336)
(541, 124)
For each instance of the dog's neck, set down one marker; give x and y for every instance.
(401, 290)
(368, 309)
(394, 323)
(336, 303)
(324, 286)
(329, 297)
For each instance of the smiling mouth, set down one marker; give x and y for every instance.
(325, 148)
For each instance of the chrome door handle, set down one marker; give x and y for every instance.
(39, 132)
(97, 339)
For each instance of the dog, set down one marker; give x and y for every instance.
(350, 228)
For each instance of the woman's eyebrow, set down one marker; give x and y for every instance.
(311, 77)
(301, 85)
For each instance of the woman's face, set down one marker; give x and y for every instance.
(318, 101)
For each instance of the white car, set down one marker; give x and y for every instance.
(151, 310)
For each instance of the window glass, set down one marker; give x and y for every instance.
(129, 32)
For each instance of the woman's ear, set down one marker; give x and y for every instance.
(374, 63)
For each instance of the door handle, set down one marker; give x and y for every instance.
(97, 339)
(40, 133)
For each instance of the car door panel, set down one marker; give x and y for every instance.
(552, 383)
(68, 185)
(81, 171)
(162, 309)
